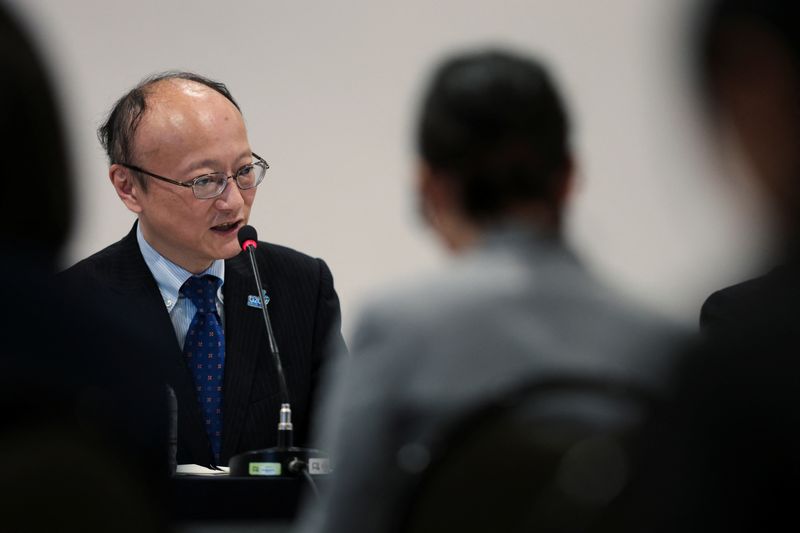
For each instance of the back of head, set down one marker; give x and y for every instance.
(34, 153)
(779, 18)
(748, 61)
(493, 122)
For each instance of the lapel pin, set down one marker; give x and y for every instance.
(255, 301)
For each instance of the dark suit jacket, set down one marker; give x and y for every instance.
(305, 315)
(723, 455)
(720, 453)
(763, 306)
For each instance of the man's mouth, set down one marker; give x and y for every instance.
(227, 226)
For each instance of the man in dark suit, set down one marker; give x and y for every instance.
(181, 161)
(750, 64)
(723, 455)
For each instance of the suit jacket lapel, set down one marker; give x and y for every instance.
(244, 344)
(136, 284)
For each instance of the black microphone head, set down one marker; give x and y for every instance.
(248, 236)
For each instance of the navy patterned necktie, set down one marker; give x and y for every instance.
(204, 349)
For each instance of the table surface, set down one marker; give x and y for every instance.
(201, 498)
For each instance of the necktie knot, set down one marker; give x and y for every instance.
(202, 291)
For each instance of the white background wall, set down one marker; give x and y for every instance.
(329, 91)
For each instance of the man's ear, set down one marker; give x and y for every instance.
(436, 193)
(423, 192)
(441, 207)
(566, 183)
(127, 187)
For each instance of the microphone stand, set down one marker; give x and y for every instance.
(283, 460)
(285, 428)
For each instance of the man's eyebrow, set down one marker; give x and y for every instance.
(214, 163)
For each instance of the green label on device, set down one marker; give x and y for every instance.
(265, 469)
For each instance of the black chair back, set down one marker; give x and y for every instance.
(550, 456)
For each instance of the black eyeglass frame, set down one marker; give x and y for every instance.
(191, 183)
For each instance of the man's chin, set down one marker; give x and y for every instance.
(230, 251)
(223, 251)
(226, 246)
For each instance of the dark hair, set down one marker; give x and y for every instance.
(117, 133)
(34, 150)
(494, 122)
(780, 18)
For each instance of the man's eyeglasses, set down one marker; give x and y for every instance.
(213, 184)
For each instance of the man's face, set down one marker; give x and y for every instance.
(189, 130)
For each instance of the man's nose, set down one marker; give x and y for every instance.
(231, 198)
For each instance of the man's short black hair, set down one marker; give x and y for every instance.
(117, 133)
(494, 122)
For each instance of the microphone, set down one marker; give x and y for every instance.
(248, 237)
(248, 240)
(284, 459)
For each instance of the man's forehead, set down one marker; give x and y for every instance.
(177, 93)
(178, 113)
(169, 86)
(179, 102)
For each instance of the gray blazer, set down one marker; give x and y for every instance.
(517, 307)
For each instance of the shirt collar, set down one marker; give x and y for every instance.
(169, 276)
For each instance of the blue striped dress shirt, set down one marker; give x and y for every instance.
(170, 278)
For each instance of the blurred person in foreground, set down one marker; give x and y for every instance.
(514, 305)
(724, 456)
(750, 56)
(180, 160)
(84, 438)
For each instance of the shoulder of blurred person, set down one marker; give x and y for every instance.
(721, 453)
(518, 308)
(66, 355)
(89, 411)
(762, 306)
(516, 292)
